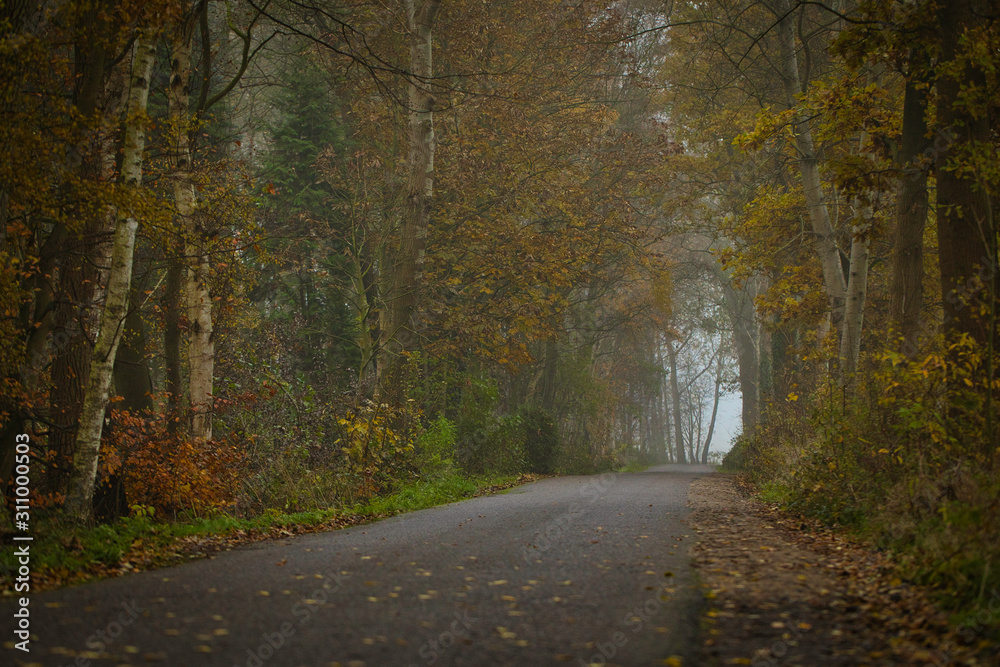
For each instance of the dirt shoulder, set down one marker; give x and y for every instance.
(783, 593)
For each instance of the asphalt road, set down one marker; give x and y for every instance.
(574, 570)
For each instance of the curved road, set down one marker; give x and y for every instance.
(575, 570)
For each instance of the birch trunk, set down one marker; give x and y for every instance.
(400, 331)
(80, 490)
(198, 300)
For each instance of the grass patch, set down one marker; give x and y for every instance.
(634, 466)
(775, 493)
(64, 553)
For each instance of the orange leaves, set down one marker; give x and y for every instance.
(166, 471)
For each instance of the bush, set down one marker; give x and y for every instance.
(161, 469)
(903, 456)
(435, 447)
(541, 440)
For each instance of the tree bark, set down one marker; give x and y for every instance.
(739, 306)
(675, 398)
(77, 276)
(857, 294)
(812, 185)
(401, 331)
(80, 490)
(715, 407)
(131, 375)
(907, 291)
(198, 300)
(171, 304)
(964, 234)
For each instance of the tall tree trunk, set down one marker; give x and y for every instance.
(812, 185)
(675, 397)
(550, 365)
(201, 344)
(77, 276)
(173, 293)
(857, 294)
(715, 406)
(665, 392)
(739, 307)
(907, 292)
(198, 300)
(403, 301)
(131, 375)
(80, 491)
(964, 236)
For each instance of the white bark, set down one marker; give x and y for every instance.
(80, 491)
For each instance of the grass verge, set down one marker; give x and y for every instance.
(64, 554)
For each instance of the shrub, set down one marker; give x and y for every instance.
(435, 447)
(161, 469)
(541, 440)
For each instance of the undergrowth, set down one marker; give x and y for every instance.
(904, 459)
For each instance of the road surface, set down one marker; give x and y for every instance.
(575, 570)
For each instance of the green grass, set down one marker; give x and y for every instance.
(775, 493)
(63, 552)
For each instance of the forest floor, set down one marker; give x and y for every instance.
(784, 592)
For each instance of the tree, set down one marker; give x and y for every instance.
(88, 440)
(966, 231)
(400, 328)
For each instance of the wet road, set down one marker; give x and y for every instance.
(575, 570)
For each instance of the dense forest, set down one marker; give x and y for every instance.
(279, 255)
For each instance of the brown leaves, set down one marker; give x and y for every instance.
(777, 586)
